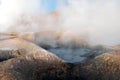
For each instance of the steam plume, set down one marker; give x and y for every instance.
(95, 20)
(10, 9)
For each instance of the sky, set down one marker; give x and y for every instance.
(50, 5)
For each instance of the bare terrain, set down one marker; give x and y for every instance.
(56, 55)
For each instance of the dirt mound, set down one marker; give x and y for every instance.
(24, 65)
(25, 68)
(103, 67)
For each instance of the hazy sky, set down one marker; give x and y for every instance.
(50, 5)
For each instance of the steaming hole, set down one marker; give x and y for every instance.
(78, 54)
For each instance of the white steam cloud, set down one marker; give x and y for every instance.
(95, 20)
(9, 9)
(98, 20)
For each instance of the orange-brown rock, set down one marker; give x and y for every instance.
(102, 67)
(28, 63)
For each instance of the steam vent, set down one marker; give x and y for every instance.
(56, 55)
(59, 40)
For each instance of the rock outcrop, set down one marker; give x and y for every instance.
(25, 65)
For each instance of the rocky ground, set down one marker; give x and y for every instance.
(23, 60)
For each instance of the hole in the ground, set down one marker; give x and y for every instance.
(77, 54)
